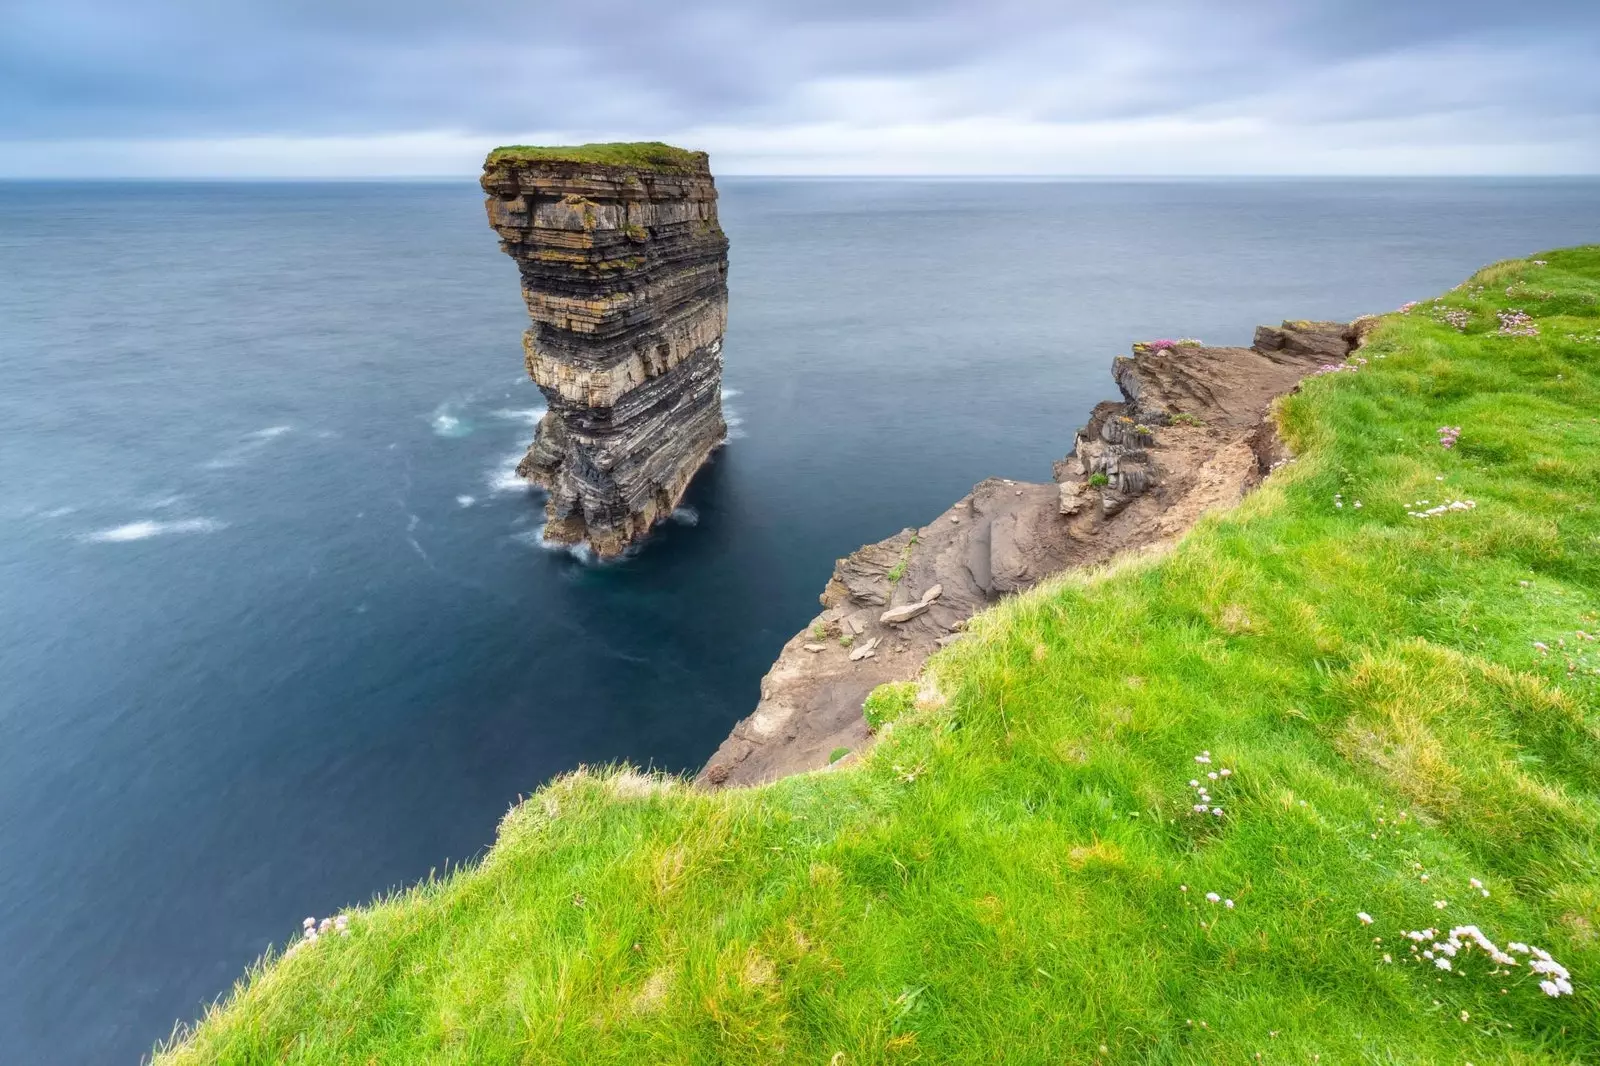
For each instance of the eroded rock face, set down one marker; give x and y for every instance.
(625, 273)
(1192, 432)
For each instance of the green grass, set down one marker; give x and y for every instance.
(1001, 877)
(887, 703)
(898, 570)
(637, 155)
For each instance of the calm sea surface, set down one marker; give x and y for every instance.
(275, 630)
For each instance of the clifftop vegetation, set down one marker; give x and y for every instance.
(1322, 783)
(640, 155)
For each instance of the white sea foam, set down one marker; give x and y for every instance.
(251, 443)
(411, 528)
(146, 528)
(526, 415)
(534, 538)
(686, 516)
(466, 501)
(58, 512)
(503, 477)
(448, 421)
(734, 422)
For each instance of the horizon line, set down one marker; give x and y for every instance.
(842, 176)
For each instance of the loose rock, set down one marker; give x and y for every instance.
(866, 651)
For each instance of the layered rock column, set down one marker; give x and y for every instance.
(625, 273)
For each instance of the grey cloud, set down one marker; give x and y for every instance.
(215, 68)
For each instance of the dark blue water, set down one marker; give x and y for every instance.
(275, 634)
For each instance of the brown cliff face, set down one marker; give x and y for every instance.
(1192, 432)
(625, 273)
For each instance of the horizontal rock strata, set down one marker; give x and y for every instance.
(625, 274)
(1192, 432)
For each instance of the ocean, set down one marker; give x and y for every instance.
(277, 633)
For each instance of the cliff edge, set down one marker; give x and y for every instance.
(1192, 432)
(625, 273)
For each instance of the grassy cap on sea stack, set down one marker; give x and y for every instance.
(635, 155)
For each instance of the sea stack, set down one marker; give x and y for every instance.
(625, 273)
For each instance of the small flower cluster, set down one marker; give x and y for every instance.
(1458, 317)
(313, 931)
(1338, 502)
(1523, 292)
(1384, 825)
(1409, 306)
(1336, 368)
(1435, 512)
(1165, 344)
(1574, 660)
(1540, 262)
(1515, 323)
(1190, 342)
(1202, 786)
(1445, 953)
(1448, 435)
(1212, 898)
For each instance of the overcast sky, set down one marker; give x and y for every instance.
(410, 87)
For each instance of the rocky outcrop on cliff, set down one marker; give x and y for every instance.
(625, 274)
(1192, 432)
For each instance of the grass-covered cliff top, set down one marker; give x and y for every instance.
(1381, 669)
(638, 155)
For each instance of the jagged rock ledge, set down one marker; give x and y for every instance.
(625, 273)
(1192, 432)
